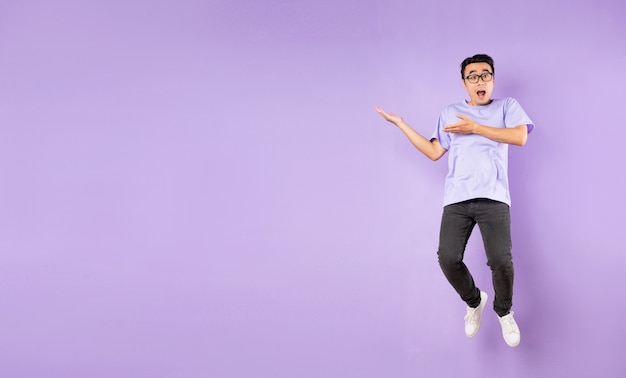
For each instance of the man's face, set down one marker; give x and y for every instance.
(479, 92)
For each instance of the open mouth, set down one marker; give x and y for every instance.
(481, 93)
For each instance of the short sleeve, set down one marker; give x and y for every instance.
(440, 135)
(514, 115)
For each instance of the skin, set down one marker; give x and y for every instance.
(432, 149)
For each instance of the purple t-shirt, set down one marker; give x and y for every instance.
(478, 166)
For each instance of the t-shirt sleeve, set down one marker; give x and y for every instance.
(514, 115)
(440, 135)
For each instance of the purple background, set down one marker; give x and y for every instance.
(203, 188)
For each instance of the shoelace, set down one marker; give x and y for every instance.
(509, 325)
(471, 316)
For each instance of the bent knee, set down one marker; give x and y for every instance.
(447, 258)
(501, 263)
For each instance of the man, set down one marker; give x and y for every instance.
(477, 133)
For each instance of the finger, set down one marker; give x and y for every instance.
(461, 116)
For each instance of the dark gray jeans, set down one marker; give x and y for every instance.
(493, 219)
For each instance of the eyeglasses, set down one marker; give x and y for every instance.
(473, 78)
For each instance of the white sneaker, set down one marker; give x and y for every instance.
(474, 315)
(510, 330)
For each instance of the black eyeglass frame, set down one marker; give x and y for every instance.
(478, 77)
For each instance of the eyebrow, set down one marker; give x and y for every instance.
(472, 71)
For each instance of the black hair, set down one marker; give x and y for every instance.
(478, 58)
